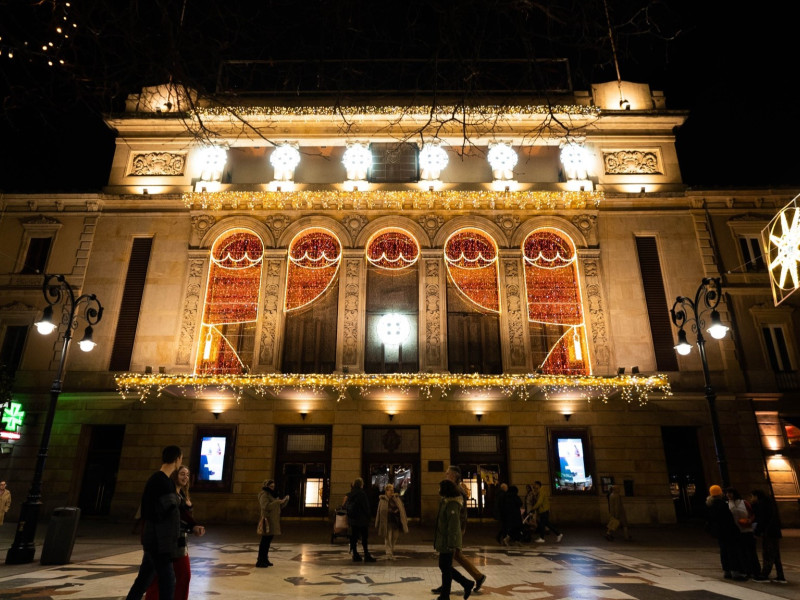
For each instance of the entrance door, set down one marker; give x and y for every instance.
(391, 455)
(100, 472)
(303, 466)
(480, 453)
(685, 469)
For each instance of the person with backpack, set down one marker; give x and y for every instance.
(744, 517)
(358, 516)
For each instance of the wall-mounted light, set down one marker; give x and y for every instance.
(432, 160)
(393, 329)
(575, 159)
(620, 371)
(284, 159)
(357, 160)
(624, 104)
(303, 415)
(216, 412)
(390, 415)
(479, 416)
(502, 159)
(643, 190)
(212, 162)
(566, 415)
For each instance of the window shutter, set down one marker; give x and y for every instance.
(131, 304)
(657, 307)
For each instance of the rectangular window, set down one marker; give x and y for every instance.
(36, 256)
(212, 453)
(130, 306)
(313, 496)
(571, 467)
(778, 352)
(752, 257)
(11, 350)
(393, 163)
(657, 307)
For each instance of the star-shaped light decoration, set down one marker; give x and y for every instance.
(781, 239)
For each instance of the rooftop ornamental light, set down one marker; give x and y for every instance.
(284, 159)
(502, 159)
(212, 161)
(432, 160)
(357, 160)
(575, 159)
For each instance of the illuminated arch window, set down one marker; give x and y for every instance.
(314, 259)
(227, 334)
(558, 329)
(471, 258)
(392, 249)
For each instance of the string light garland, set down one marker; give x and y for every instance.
(445, 111)
(314, 259)
(632, 388)
(471, 259)
(398, 200)
(55, 29)
(392, 249)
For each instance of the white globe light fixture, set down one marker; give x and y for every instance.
(284, 159)
(393, 329)
(212, 161)
(502, 159)
(432, 161)
(574, 157)
(357, 160)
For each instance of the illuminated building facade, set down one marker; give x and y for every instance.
(319, 303)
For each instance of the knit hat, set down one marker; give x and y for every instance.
(715, 490)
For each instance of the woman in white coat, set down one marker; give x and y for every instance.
(391, 519)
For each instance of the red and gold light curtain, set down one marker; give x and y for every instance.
(554, 298)
(471, 257)
(392, 249)
(314, 259)
(231, 306)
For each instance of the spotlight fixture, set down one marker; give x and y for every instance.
(567, 415)
(216, 412)
(634, 370)
(620, 371)
(390, 415)
(303, 415)
(479, 416)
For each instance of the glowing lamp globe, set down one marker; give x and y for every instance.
(393, 329)
(432, 160)
(284, 159)
(357, 160)
(212, 160)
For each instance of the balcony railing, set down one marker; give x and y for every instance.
(788, 381)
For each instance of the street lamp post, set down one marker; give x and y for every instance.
(688, 311)
(56, 291)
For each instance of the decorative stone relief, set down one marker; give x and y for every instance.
(200, 224)
(40, 220)
(92, 206)
(277, 223)
(158, 163)
(516, 317)
(352, 285)
(433, 313)
(624, 162)
(355, 223)
(17, 306)
(596, 312)
(270, 319)
(508, 223)
(431, 223)
(587, 226)
(191, 306)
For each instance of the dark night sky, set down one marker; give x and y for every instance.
(732, 71)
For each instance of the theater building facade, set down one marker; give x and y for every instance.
(318, 293)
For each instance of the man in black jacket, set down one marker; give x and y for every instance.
(358, 517)
(162, 528)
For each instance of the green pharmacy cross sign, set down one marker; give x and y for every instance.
(13, 415)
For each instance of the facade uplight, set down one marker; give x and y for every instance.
(393, 329)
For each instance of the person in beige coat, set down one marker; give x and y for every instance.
(391, 519)
(5, 501)
(270, 506)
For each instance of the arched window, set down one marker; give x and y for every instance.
(314, 259)
(227, 334)
(471, 258)
(555, 311)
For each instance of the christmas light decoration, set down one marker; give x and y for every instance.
(781, 241)
(432, 160)
(357, 160)
(284, 159)
(502, 159)
(471, 259)
(212, 162)
(231, 305)
(392, 249)
(632, 388)
(446, 111)
(575, 159)
(553, 294)
(398, 200)
(314, 259)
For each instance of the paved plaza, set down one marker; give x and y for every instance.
(664, 563)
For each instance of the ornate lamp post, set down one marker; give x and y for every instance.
(56, 291)
(687, 311)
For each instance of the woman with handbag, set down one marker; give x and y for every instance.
(269, 524)
(616, 512)
(391, 519)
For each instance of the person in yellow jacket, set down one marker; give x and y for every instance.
(542, 510)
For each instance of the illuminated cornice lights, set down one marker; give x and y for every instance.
(631, 388)
(212, 162)
(393, 200)
(432, 161)
(575, 159)
(357, 160)
(284, 159)
(502, 159)
(444, 110)
(393, 329)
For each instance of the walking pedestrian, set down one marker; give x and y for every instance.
(542, 510)
(5, 501)
(270, 506)
(391, 519)
(358, 516)
(768, 528)
(511, 515)
(616, 514)
(720, 524)
(181, 564)
(744, 517)
(498, 511)
(161, 528)
(447, 539)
